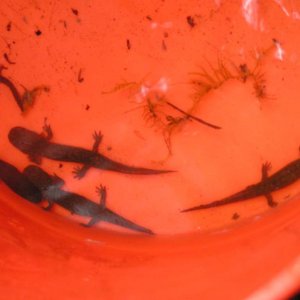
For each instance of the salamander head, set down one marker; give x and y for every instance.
(24, 139)
(38, 177)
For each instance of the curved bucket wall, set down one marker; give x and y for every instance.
(208, 91)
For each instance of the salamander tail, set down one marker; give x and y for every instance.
(114, 218)
(145, 171)
(240, 196)
(121, 168)
(204, 206)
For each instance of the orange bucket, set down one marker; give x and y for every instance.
(207, 90)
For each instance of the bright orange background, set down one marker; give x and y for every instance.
(196, 254)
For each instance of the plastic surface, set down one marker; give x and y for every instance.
(115, 67)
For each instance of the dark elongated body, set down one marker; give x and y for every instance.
(19, 183)
(37, 146)
(13, 90)
(282, 178)
(50, 186)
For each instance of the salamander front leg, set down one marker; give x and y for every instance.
(97, 136)
(79, 172)
(266, 167)
(49, 206)
(101, 191)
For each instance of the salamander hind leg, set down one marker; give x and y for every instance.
(266, 167)
(47, 130)
(270, 200)
(97, 136)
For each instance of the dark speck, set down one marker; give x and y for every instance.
(38, 32)
(191, 21)
(166, 35)
(109, 148)
(80, 78)
(128, 43)
(8, 26)
(75, 11)
(87, 107)
(65, 24)
(244, 68)
(235, 216)
(148, 18)
(60, 166)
